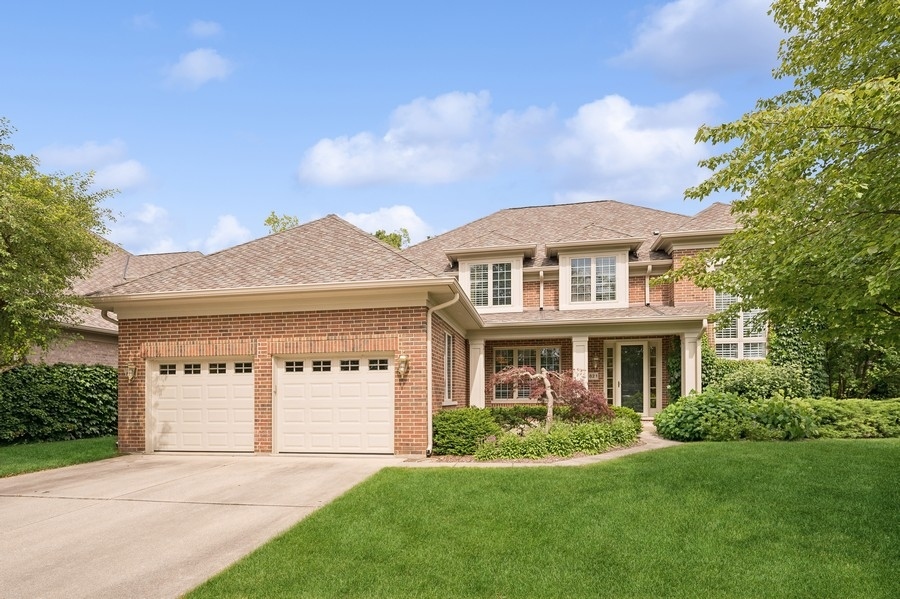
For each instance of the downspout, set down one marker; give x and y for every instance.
(105, 315)
(429, 374)
(647, 285)
(541, 298)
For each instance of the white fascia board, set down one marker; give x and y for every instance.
(689, 239)
(457, 254)
(631, 243)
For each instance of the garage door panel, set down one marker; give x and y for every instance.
(204, 411)
(342, 411)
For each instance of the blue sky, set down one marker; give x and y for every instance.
(207, 116)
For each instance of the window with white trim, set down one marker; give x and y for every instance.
(743, 337)
(493, 285)
(535, 357)
(448, 368)
(597, 280)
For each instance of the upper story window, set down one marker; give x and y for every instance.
(594, 281)
(743, 337)
(493, 285)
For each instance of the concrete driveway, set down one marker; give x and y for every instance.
(155, 525)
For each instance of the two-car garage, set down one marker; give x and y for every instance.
(321, 404)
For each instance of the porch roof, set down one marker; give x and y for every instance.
(637, 313)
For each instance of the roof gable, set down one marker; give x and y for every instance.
(327, 250)
(554, 225)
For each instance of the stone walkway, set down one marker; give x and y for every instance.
(647, 441)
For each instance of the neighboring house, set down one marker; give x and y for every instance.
(322, 339)
(94, 339)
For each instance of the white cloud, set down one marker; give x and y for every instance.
(451, 137)
(142, 22)
(613, 148)
(199, 67)
(145, 231)
(226, 233)
(391, 219)
(610, 148)
(122, 175)
(200, 28)
(87, 155)
(108, 160)
(690, 38)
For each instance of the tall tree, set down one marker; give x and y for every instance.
(399, 238)
(817, 171)
(49, 237)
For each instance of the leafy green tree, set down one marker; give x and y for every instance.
(49, 237)
(399, 238)
(817, 171)
(277, 223)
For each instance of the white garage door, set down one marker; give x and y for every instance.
(335, 405)
(202, 405)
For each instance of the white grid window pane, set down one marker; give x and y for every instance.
(243, 367)
(754, 324)
(478, 284)
(723, 300)
(502, 284)
(167, 369)
(448, 368)
(378, 364)
(526, 357)
(503, 358)
(581, 279)
(755, 350)
(217, 368)
(550, 359)
(727, 350)
(349, 365)
(605, 282)
(727, 329)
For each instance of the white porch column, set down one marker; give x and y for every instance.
(580, 358)
(690, 363)
(476, 374)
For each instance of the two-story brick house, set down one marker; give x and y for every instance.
(322, 339)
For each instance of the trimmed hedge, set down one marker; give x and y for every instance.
(461, 431)
(564, 440)
(630, 415)
(718, 416)
(40, 402)
(856, 418)
(761, 380)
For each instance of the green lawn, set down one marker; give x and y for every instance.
(18, 459)
(803, 519)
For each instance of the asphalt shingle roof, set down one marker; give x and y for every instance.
(542, 225)
(716, 216)
(116, 267)
(327, 250)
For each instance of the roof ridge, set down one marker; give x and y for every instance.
(383, 243)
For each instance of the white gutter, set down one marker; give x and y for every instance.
(429, 374)
(647, 285)
(541, 304)
(104, 314)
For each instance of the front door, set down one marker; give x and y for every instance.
(632, 382)
(633, 375)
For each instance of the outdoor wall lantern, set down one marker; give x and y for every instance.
(402, 365)
(130, 371)
(596, 361)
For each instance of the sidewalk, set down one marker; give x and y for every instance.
(648, 440)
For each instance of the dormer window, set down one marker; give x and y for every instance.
(596, 280)
(493, 285)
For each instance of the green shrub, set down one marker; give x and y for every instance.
(785, 418)
(510, 417)
(760, 380)
(712, 414)
(856, 418)
(564, 439)
(629, 415)
(57, 403)
(460, 431)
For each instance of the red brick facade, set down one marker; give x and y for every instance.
(531, 299)
(686, 291)
(80, 348)
(263, 337)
